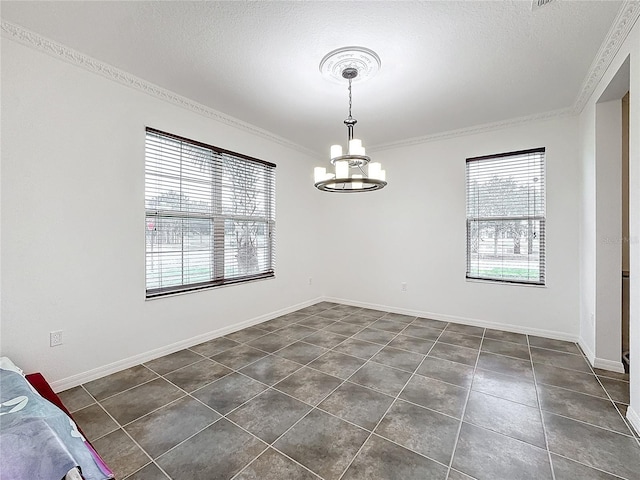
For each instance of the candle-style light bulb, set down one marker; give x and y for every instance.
(355, 145)
(374, 170)
(342, 169)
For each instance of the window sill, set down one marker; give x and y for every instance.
(208, 288)
(508, 284)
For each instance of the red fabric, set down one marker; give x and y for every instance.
(43, 388)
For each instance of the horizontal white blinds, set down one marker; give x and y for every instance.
(506, 217)
(210, 215)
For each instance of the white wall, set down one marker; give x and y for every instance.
(593, 246)
(587, 129)
(633, 44)
(73, 223)
(413, 231)
(608, 312)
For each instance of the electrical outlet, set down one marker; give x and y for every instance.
(55, 338)
(403, 287)
(310, 281)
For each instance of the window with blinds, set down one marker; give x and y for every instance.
(506, 217)
(210, 215)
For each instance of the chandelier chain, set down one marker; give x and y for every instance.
(350, 98)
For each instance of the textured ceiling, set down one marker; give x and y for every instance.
(445, 65)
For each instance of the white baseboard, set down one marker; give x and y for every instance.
(89, 375)
(634, 419)
(587, 351)
(462, 320)
(604, 364)
(610, 365)
(114, 367)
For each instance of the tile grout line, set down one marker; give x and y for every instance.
(589, 424)
(238, 371)
(589, 466)
(126, 389)
(239, 406)
(121, 427)
(269, 387)
(542, 422)
(611, 400)
(464, 409)
(220, 417)
(552, 385)
(153, 460)
(420, 406)
(579, 354)
(391, 405)
(161, 376)
(343, 381)
(494, 395)
(378, 391)
(209, 425)
(187, 394)
(274, 354)
(273, 387)
(376, 434)
(317, 406)
(312, 407)
(610, 378)
(330, 393)
(270, 446)
(584, 357)
(577, 391)
(381, 346)
(130, 437)
(556, 414)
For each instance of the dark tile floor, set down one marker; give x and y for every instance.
(339, 392)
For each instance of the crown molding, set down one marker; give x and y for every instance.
(618, 33)
(69, 55)
(627, 16)
(486, 127)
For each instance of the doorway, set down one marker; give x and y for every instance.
(611, 332)
(625, 232)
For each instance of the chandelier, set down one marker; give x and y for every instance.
(347, 64)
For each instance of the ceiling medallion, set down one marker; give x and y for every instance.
(366, 62)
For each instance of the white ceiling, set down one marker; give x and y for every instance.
(446, 65)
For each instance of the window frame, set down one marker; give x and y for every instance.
(217, 219)
(534, 217)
